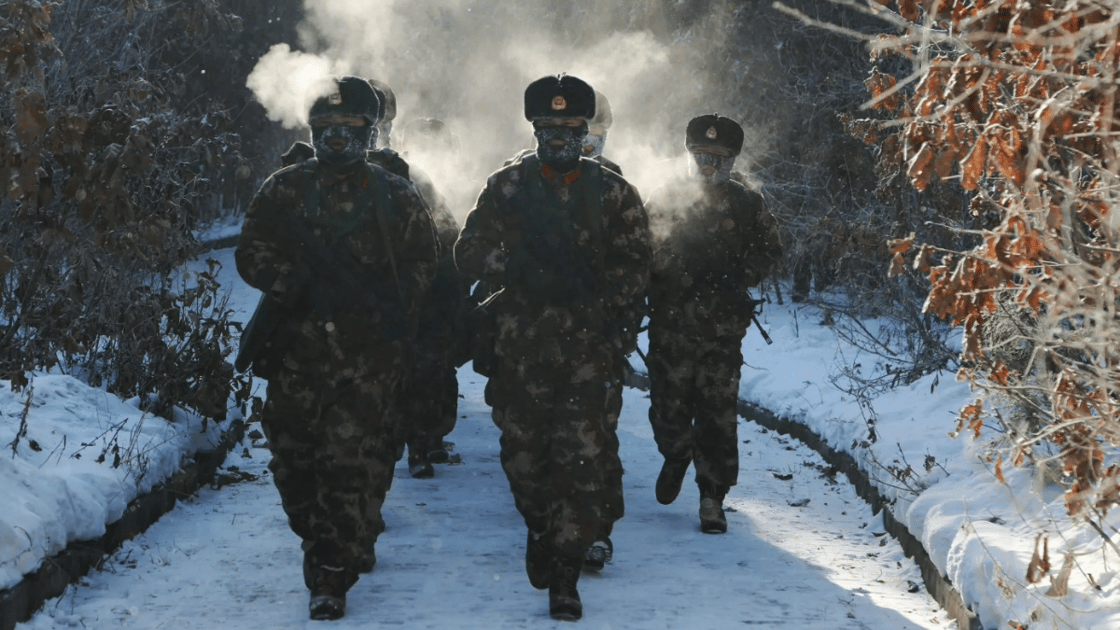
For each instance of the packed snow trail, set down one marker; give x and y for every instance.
(802, 551)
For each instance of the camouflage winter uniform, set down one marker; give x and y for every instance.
(564, 281)
(711, 242)
(614, 498)
(428, 403)
(333, 364)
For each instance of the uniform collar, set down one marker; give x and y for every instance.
(566, 179)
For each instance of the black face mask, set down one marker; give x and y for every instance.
(563, 158)
(357, 139)
(713, 168)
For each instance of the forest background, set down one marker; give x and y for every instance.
(968, 147)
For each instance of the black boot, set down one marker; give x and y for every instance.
(439, 451)
(599, 554)
(325, 607)
(328, 586)
(538, 561)
(563, 598)
(670, 480)
(418, 464)
(328, 600)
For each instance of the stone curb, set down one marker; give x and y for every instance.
(941, 589)
(19, 603)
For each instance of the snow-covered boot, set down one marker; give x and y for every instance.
(599, 554)
(712, 519)
(538, 560)
(327, 607)
(670, 480)
(563, 598)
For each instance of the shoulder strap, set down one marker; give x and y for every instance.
(591, 182)
(311, 188)
(382, 204)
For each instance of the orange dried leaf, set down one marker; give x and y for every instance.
(901, 245)
(972, 166)
(922, 260)
(920, 170)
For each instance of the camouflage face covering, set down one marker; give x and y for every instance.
(357, 140)
(593, 145)
(562, 158)
(713, 168)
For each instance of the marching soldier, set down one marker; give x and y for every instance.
(342, 251)
(714, 239)
(566, 243)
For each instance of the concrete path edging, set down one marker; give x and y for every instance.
(19, 603)
(939, 587)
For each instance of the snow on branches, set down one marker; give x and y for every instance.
(1016, 102)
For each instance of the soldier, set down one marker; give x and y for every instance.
(713, 239)
(387, 114)
(567, 244)
(429, 400)
(597, 127)
(343, 252)
(602, 550)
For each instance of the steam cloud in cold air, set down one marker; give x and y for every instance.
(467, 62)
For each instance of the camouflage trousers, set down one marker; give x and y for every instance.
(694, 388)
(428, 403)
(333, 454)
(614, 503)
(553, 415)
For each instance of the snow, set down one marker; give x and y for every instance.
(802, 550)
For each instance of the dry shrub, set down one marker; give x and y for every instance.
(112, 154)
(1017, 104)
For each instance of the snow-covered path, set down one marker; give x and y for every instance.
(802, 551)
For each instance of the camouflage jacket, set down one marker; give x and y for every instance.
(711, 243)
(337, 210)
(529, 217)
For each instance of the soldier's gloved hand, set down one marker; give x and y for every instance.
(291, 285)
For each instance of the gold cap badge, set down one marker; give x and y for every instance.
(335, 98)
(558, 103)
(711, 133)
